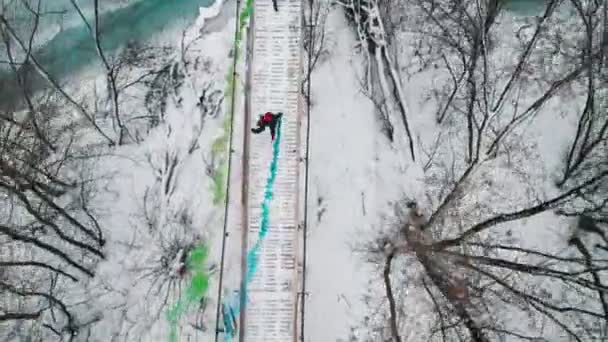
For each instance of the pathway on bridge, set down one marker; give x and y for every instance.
(270, 314)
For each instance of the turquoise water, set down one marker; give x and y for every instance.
(73, 48)
(525, 7)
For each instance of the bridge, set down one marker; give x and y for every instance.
(271, 314)
(272, 70)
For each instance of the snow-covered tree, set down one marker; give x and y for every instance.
(498, 255)
(66, 249)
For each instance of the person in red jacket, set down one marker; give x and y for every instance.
(267, 120)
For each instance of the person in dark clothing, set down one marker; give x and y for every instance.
(274, 4)
(267, 120)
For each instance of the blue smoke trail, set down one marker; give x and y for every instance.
(232, 309)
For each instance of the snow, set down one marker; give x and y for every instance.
(337, 275)
(347, 191)
(356, 178)
(154, 194)
(169, 167)
(335, 283)
(350, 199)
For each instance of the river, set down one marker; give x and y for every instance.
(525, 7)
(70, 49)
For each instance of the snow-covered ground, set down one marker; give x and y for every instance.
(356, 177)
(344, 187)
(153, 196)
(352, 182)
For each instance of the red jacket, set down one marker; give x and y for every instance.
(268, 117)
(265, 119)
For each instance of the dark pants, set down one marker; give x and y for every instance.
(273, 124)
(274, 4)
(259, 129)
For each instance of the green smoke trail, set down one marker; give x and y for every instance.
(196, 291)
(219, 147)
(219, 151)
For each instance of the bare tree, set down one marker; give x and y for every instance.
(45, 211)
(165, 230)
(111, 71)
(51, 238)
(477, 270)
(14, 44)
(315, 39)
(380, 65)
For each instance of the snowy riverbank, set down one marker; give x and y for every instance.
(156, 197)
